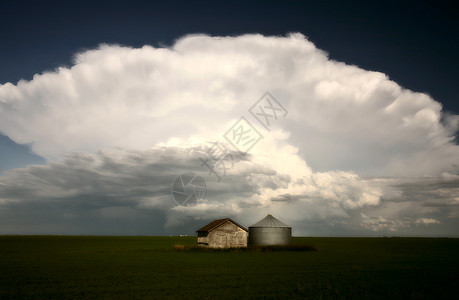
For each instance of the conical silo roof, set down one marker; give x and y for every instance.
(270, 221)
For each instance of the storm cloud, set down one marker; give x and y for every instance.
(351, 156)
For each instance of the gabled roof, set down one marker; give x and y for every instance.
(269, 221)
(217, 223)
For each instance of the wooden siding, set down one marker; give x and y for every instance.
(225, 236)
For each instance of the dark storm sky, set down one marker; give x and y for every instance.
(415, 43)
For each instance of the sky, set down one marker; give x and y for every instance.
(340, 119)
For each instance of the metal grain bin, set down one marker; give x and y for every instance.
(270, 231)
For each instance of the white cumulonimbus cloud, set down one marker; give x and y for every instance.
(343, 122)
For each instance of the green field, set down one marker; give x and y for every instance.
(147, 267)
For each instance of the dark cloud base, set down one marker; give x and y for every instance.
(122, 192)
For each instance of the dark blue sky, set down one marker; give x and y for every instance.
(414, 42)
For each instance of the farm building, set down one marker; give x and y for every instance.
(222, 233)
(270, 231)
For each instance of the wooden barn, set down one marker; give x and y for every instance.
(222, 233)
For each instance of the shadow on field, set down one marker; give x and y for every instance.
(246, 249)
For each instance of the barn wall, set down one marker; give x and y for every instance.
(226, 236)
(202, 238)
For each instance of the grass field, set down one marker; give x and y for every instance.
(61, 267)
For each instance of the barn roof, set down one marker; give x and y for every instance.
(216, 223)
(269, 221)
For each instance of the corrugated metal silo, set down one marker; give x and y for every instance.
(270, 231)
